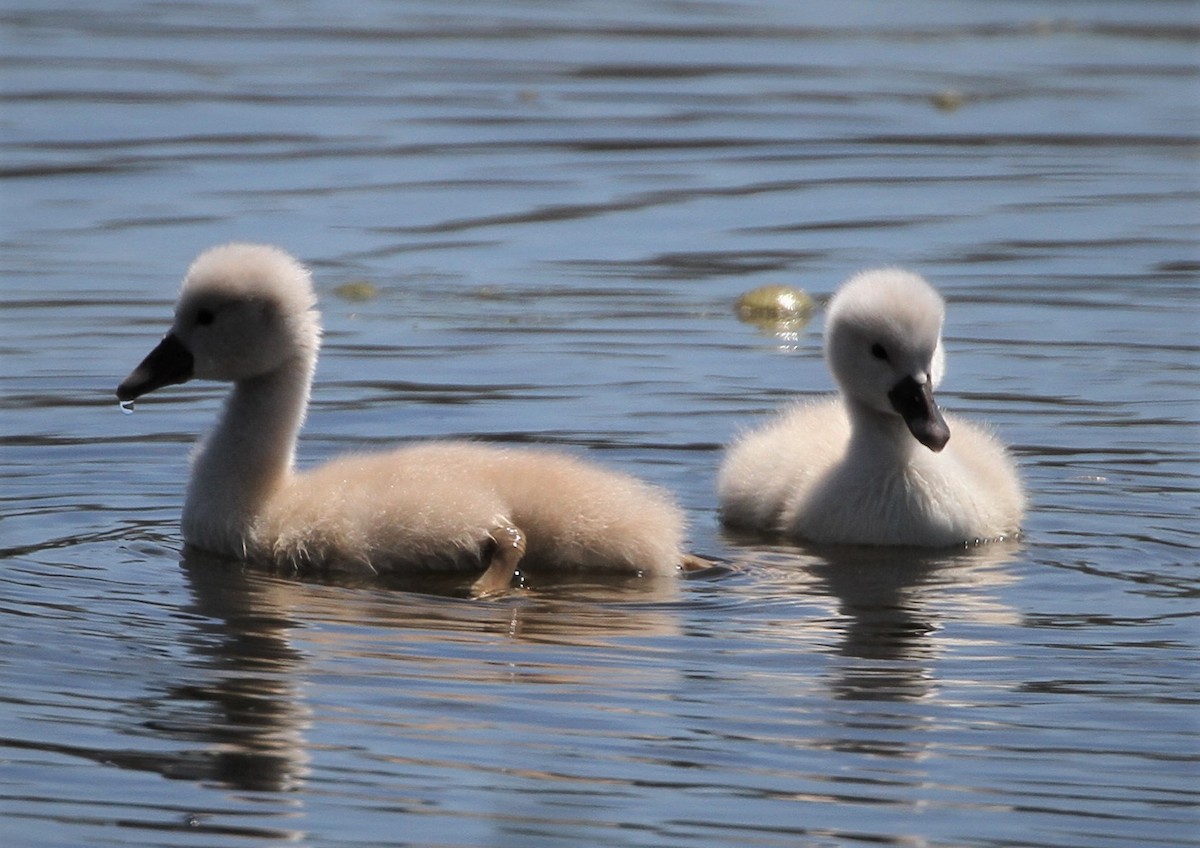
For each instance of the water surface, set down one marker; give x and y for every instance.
(557, 205)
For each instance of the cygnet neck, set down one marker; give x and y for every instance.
(878, 434)
(247, 456)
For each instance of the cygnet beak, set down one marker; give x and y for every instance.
(914, 401)
(166, 365)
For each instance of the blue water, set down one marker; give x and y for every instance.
(558, 205)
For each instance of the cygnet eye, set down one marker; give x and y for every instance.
(879, 352)
(204, 317)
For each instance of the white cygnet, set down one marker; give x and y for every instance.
(878, 464)
(247, 315)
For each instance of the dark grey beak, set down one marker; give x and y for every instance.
(916, 406)
(166, 365)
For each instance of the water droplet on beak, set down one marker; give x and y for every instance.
(126, 406)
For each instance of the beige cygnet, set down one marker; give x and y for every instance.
(246, 315)
(878, 464)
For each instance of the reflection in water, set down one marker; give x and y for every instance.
(568, 610)
(892, 602)
(248, 710)
(892, 608)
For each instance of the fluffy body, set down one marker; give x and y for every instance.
(852, 469)
(433, 506)
(246, 314)
(836, 495)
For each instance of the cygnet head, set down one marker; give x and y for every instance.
(244, 311)
(883, 343)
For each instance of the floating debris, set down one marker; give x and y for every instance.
(490, 293)
(771, 306)
(357, 291)
(948, 99)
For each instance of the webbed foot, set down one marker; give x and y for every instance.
(508, 549)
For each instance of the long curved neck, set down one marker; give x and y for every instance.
(246, 457)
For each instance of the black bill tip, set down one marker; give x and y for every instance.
(168, 364)
(915, 404)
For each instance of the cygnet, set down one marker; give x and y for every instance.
(878, 464)
(247, 315)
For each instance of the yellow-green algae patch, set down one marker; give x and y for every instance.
(775, 305)
(948, 99)
(357, 291)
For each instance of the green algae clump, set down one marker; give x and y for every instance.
(357, 291)
(772, 305)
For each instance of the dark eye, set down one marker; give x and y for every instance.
(878, 351)
(205, 317)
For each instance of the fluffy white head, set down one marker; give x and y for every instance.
(244, 310)
(883, 326)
